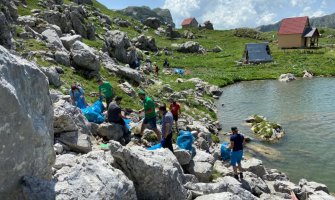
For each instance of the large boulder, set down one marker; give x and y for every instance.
(191, 47)
(5, 32)
(308, 188)
(287, 77)
(89, 2)
(145, 43)
(110, 131)
(68, 41)
(84, 57)
(152, 22)
(125, 72)
(71, 127)
(117, 43)
(201, 166)
(219, 196)
(254, 184)
(62, 57)
(95, 178)
(183, 156)
(26, 124)
(53, 76)
(53, 39)
(320, 195)
(286, 187)
(156, 174)
(255, 166)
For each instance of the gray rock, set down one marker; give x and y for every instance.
(222, 169)
(202, 170)
(190, 178)
(217, 49)
(210, 188)
(308, 188)
(287, 77)
(128, 89)
(122, 71)
(78, 23)
(53, 76)
(145, 43)
(71, 127)
(28, 20)
(307, 74)
(5, 32)
(191, 47)
(95, 178)
(111, 131)
(63, 58)
(68, 41)
(65, 160)
(58, 148)
(183, 156)
(286, 187)
(320, 195)
(84, 57)
(35, 189)
(53, 39)
(156, 174)
(242, 193)
(219, 196)
(276, 196)
(117, 43)
(254, 184)
(274, 174)
(152, 22)
(26, 124)
(254, 165)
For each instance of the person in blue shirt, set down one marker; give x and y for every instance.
(77, 96)
(237, 142)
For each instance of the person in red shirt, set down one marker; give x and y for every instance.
(176, 111)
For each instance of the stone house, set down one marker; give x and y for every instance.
(190, 23)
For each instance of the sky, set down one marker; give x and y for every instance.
(229, 14)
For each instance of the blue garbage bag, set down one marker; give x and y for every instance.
(127, 121)
(157, 146)
(225, 151)
(93, 113)
(185, 140)
(179, 71)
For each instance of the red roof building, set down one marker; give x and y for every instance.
(297, 33)
(190, 23)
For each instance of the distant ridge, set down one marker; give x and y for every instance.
(327, 21)
(142, 13)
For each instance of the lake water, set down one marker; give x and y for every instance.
(306, 110)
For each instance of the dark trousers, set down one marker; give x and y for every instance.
(126, 132)
(108, 101)
(168, 142)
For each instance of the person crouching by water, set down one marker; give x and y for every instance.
(114, 115)
(149, 114)
(77, 96)
(167, 124)
(236, 145)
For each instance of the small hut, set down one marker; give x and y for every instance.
(190, 23)
(257, 53)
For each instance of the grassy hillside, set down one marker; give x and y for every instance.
(217, 68)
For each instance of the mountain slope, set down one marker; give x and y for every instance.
(142, 13)
(327, 21)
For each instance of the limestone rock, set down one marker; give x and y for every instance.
(145, 43)
(210, 188)
(219, 196)
(61, 57)
(128, 89)
(254, 184)
(183, 156)
(191, 47)
(89, 2)
(274, 174)
(5, 32)
(320, 195)
(95, 178)
(53, 76)
(84, 57)
(287, 77)
(53, 39)
(152, 22)
(111, 131)
(286, 187)
(65, 160)
(68, 41)
(117, 43)
(254, 165)
(201, 166)
(156, 174)
(307, 74)
(26, 124)
(71, 127)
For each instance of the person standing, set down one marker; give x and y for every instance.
(114, 115)
(77, 96)
(149, 114)
(167, 124)
(156, 69)
(236, 145)
(106, 91)
(175, 110)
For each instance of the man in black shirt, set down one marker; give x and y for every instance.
(114, 115)
(236, 145)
